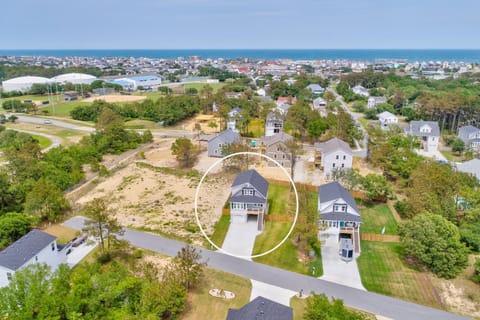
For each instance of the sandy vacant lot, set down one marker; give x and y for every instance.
(151, 199)
(115, 98)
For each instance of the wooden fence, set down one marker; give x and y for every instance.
(379, 237)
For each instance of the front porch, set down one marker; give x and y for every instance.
(345, 229)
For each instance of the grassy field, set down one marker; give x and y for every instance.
(201, 305)
(286, 256)
(199, 86)
(69, 136)
(383, 270)
(221, 228)
(452, 156)
(141, 124)
(278, 198)
(64, 234)
(44, 142)
(62, 109)
(363, 122)
(34, 97)
(375, 217)
(257, 127)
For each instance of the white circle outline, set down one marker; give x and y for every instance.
(196, 204)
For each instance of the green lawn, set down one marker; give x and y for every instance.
(201, 305)
(278, 197)
(286, 256)
(44, 142)
(383, 270)
(451, 156)
(298, 305)
(363, 122)
(375, 217)
(63, 108)
(257, 127)
(199, 86)
(221, 228)
(33, 97)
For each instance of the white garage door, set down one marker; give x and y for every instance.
(238, 218)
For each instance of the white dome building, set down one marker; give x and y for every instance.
(23, 83)
(74, 78)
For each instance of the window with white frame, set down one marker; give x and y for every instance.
(9, 276)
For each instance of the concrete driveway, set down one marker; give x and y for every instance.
(334, 268)
(240, 238)
(434, 154)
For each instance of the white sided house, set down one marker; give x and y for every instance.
(34, 247)
(333, 155)
(470, 135)
(233, 116)
(427, 131)
(361, 91)
(249, 198)
(274, 123)
(373, 101)
(337, 209)
(387, 118)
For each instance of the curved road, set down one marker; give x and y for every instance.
(368, 301)
(56, 141)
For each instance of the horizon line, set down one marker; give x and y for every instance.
(171, 49)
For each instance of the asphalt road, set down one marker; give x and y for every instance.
(56, 141)
(364, 145)
(368, 301)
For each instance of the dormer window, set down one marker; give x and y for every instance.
(248, 192)
(340, 208)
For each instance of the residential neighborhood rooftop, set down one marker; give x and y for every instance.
(334, 190)
(24, 249)
(254, 178)
(333, 145)
(261, 308)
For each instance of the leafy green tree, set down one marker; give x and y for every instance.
(185, 152)
(316, 128)
(320, 307)
(476, 268)
(107, 119)
(45, 201)
(349, 178)
(376, 187)
(188, 266)
(102, 224)
(458, 145)
(12, 227)
(435, 243)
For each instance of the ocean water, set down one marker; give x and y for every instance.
(466, 55)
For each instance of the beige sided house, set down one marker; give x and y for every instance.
(277, 149)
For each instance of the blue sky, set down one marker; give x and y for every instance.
(213, 24)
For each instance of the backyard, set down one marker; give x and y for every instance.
(376, 217)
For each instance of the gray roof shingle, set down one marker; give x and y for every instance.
(261, 308)
(334, 190)
(24, 249)
(254, 178)
(278, 137)
(333, 145)
(414, 128)
(227, 136)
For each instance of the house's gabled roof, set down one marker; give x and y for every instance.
(414, 128)
(279, 137)
(234, 112)
(315, 87)
(378, 99)
(334, 190)
(319, 100)
(254, 178)
(471, 167)
(385, 114)
(227, 136)
(333, 145)
(24, 249)
(275, 115)
(468, 129)
(261, 308)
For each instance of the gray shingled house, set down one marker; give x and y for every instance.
(34, 247)
(427, 131)
(249, 198)
(261, 308)
(337, 209)
(470, 135)
(216, 143)
(276, 147)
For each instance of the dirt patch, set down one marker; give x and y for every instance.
(111, 98)
(458, 300)
(159, 198)
(364, 167)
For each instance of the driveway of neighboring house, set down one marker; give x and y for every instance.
(334, 268)
(79, 253)
(240, 238)
(435, 154)
(273, 293)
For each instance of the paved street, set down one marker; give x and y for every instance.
(56, 141)
(368, 301)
